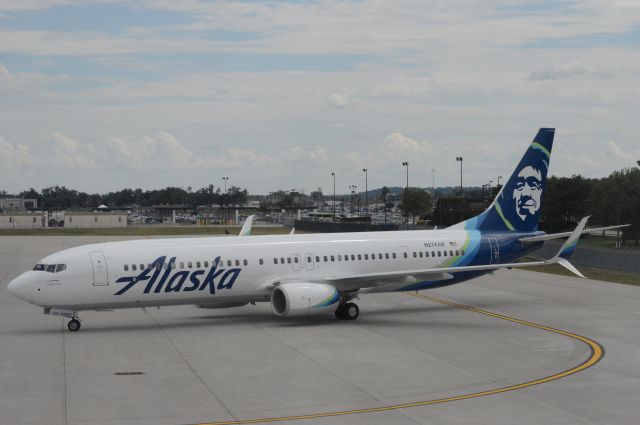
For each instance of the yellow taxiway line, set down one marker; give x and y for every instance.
(597, 352)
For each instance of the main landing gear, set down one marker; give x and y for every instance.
(347, 311)
(74, 324)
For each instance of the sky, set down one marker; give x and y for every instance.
(277, 95)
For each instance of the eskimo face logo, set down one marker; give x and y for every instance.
(527, 192)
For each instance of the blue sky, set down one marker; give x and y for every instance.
(103, 95)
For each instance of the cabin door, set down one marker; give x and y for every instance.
(99, 263)
(495, 251)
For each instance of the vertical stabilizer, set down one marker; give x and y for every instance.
(517, 206)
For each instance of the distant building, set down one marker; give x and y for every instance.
(86, 220)
(23, 220)
(9, 205)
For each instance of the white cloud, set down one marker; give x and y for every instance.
(70, 153)
(14, 156)
(337, 100)
(398, 145)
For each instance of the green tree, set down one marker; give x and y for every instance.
(418, 202)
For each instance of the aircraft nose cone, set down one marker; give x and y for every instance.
(19, 288)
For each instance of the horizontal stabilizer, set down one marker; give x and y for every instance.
(532, 239)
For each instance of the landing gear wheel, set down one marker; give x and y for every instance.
(74, 325)
(351, 311)
(348, 311)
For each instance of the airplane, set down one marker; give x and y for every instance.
(303, 274)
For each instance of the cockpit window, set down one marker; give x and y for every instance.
(50, 268)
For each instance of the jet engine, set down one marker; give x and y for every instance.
(303, 299)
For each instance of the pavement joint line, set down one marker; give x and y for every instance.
(596, 354)
(184, 359)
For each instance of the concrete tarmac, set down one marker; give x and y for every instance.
(184, 365)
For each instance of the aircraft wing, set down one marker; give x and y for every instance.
(531, 239)
(406, 277)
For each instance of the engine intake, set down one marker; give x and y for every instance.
(304, 298)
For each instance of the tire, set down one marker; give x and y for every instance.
(351, 311)
(340, 312)
(74, 325)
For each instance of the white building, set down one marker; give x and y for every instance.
(23, 221)
(10, 205)
(84, 220)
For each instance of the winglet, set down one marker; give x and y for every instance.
(246, 227)
(562, 257)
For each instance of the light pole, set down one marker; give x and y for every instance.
(353, 188)
(334, 195)
(366, 191)
(406, 193)
(484, 196)
(459, 159)
(499, 177)
(225, 193)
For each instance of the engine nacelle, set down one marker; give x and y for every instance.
(303, 299)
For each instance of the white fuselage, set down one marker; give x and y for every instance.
(219, 270)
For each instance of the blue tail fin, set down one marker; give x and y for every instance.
(517, 206)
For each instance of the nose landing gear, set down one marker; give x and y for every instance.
(74, 325)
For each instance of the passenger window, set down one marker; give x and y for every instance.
(308, 259)
(339, 257)
(288, 260)
(317, 258)
(353, 257)
(386, 255)
(245, 262)
(126, 268)
(61, 267)
(414, 254)
(325, 259)
(457, 252)
(433, 253)
(359, 257)
(380, 256)
(275, 261)
(141, 267)
(182, 264)
(366, 256)
(405, 255)
(237, 263)
(420, 254)
(295, 260)
(133, 267)
(281, 260)
(198, 264)
(229, 263)
(190, 264)
(206, 264)
(333, 259)
(444, 253)
(158, 266)
(373, 256)
(346, 257)
(393, 254)
(462, 252)
(439, 253)
(261, 261)
(451, 253)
